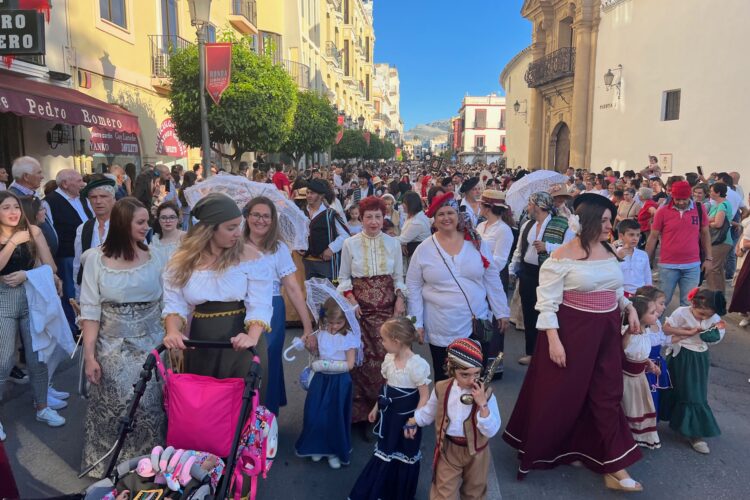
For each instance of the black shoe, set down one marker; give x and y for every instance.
(18, 376)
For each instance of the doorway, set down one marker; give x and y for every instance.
(560, 147)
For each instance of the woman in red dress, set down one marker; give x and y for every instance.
(569, 407)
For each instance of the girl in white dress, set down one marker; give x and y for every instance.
(393, 471)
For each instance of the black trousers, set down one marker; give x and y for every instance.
(439, 354)
(528, 281)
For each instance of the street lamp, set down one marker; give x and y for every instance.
(517, 109)
(200, 13)
(609, 78)
(361, 121)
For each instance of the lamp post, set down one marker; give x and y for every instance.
(200, 11)
(361, 121)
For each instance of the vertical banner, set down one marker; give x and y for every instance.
(340, 122)
(218, 69)
(367, 138)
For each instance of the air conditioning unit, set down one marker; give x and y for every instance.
(161, 64)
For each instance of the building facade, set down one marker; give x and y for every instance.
(563, 51)
(517, 94)
(480, 131)
(115, 56)
(386, 99)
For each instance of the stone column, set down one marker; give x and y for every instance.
(536, 114)
(580, 105)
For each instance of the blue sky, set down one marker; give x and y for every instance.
(446, 48)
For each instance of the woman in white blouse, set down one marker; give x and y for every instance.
(167, 232)
(451, 279)
(226, 287)
(569, 409)
(496, 230)
(417, 226)
(120, 306)
(371, 277)
(262, 233)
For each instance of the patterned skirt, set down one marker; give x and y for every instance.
(376, 297)
(127, 333)
(638, 405)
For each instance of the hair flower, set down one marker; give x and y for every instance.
(574, 223)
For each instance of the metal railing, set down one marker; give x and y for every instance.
(299, 72)
(246, 8)
(332, 52)
(336, 4)
(381, 117)
(554, 66)
(161, 48)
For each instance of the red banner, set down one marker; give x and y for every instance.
(367, 138)
(168, 144)
(340, 122)
(113, 142)
(218, 69)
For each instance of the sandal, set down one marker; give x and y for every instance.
(627, 485)
(700, 446)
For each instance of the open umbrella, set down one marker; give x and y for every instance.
(539, 180)
(293, 223)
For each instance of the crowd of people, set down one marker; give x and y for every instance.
(422, 253)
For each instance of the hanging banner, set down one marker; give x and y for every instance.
(367, 138)
(340, 122)
(167, 141)
(218, 69)
(113, 142)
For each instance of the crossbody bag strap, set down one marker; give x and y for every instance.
(453, 276)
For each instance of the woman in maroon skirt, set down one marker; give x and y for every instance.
(371, 277)
(741, 295)
(569, 409)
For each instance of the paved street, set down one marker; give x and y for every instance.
(46, 461)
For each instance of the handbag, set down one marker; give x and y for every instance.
(481, 329)
(719, 234)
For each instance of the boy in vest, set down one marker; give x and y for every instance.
(462, 459)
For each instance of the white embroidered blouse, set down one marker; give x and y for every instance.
(458, 413)
(683, 318)
(558, 275)
(364, 257)
(281, 265)
(415, 373)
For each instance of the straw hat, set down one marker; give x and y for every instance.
(559, 190)
(494, 198)
(301, 194)
(376, 180)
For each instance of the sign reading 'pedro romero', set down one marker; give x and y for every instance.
(21, 32)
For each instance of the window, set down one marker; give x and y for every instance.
(210, 33)
(346, 58)
(169, 24)
(479, 141)
(480, 118)
(671, 105)
(271, 45)
(114, 12)
(502, 119)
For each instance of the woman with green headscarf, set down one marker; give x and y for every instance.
(224, 285)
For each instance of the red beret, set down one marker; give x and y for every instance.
(681, 190)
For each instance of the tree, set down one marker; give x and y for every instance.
(375, 148)
(389, 150)
(256, 111)
(315, 126)
(352, 145)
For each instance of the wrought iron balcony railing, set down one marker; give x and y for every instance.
(554, 66)
(161, 48)
(299, 72)
(246, 8)
(333, 53)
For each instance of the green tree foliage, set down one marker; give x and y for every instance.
(352, 145)
(389, 150)
(315, 126)
(256, 111)
(375, 149)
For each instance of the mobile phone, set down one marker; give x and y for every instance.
(699, 169)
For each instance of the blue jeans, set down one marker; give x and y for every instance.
(731, 263)
(65, 272)
(687, 279)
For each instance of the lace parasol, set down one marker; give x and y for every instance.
(318, 291)
(293, 223)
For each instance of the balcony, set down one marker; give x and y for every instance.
(380, 117)
(552, 67)
(161, 48)
(336, 4)
(333, 54)
(244, 16)
(299, 72)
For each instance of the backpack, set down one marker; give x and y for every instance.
(258, 447)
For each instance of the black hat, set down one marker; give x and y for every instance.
(469, 184)
(318, 186)
(457, 174)
(98, 182)
(446, 182)
(595, 199)
(363, 174)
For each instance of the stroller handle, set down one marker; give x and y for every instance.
(206, 344)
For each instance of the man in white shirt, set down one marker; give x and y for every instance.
(539, 237)
(100, 194)
(327, 233)
(471, 192)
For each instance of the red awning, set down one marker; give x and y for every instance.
(45, 101)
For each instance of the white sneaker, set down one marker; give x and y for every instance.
(334, 462)
(54, 403)
(316, 458)
(2, 433)
(57, 394)
(50, 417)
(744, 322)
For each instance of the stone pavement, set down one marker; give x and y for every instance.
(46, 460)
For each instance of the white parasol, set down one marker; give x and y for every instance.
(293, 223)
(318, 291)
(539, 180)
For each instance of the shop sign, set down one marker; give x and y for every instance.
(218, 69)
(113, 142)
(21, 32)
(168, 143)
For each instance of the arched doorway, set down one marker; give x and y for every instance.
(559, 147)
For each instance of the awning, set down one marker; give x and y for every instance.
(25, 97)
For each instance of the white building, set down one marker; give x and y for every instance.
(481, 129)
(517, 120)
(678, 86)
(386, 99)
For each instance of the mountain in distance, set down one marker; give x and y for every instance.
(429, 130)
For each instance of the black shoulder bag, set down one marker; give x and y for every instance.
(482, 330)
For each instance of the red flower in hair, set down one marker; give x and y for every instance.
(691, 293)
